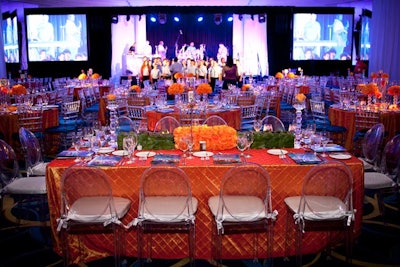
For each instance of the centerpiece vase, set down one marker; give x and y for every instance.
(297, 132)
(112, 107)
(177, 99)
(395, 100)
(369, 101)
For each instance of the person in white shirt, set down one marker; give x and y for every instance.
(161, 50)
(214, 73)
(148, 51)
(201, 70)
(155, 74)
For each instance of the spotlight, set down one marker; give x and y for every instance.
(162, 18)
(114, 19)
(153, 19)
(176, 18)
(200, 19)
(218, 18)
(261, 18)
(230, 18)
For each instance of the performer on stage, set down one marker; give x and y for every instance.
(191, 51)
(222, 53)
(161, 50)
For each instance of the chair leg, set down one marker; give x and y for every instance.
(192, 240)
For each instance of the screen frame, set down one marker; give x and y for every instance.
(348, 12)
(51, 13)
(15, 45)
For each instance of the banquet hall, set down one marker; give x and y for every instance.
(100, 77)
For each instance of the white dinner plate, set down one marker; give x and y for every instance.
(120, 153)
(277, 151)
(203, 154)
(340, 156)
(143, 154)
(105, 150)
(51, 106)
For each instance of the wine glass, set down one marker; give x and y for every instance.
(76, 143)
(324, 141)
(189, 141)
(126, 144)
(241, 143)
(95, 144)
(257, 125)
(250, 140)
(132, 142)
(183, 146)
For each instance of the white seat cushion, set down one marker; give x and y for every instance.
(323, 207)
(39, 169)
(95, 209)
(377, 180)
(241, 208)
(27, 186)
(367, 166)
(168, 208)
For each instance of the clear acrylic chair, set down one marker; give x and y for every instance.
(25, 191)
(248, 115)
(31, 147)
(165, 203)
(137, 114)
(387, 179)
(125, 124)
(325, 204)
(371, 147)
(88, 207)
(243, 206)
(166, 124)
(214, 120)
(276, 124)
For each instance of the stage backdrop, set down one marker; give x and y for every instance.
(245, 38)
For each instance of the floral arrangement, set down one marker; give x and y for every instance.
(95, 76)
(190, 75)
(246, 87)
(178, 75)
(279, 75)
(300, 97)
(111, 97)
(394, 90)
(4, 90)
(370, 89)
(291, 75)
(380, 74)
(18, 89)
(82, 76)
(176, 88)
(204, 88)
(135, 88)
(219, 137)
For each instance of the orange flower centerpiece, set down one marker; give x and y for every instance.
(18, 89)
(279, 75)
(95, 76)
(203, 88)
(246, 87)
(111, 97)
(394, 90)
(82, 76)
(219, 137)
(178, 75)
(135, 88)
(370, 89)
(175, 89)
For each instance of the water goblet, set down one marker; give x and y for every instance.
(324, 141)
(250, 140)
(189, 142)
(241, 143)
(95, 144)
(257, 125)
(183, 146)
(77, 142)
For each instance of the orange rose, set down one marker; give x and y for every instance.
(176, 88)
(204, 88)
(370, 89)
(18, 89)
(279, 75)
(394, 90)
(95, 76)
(111, 97)
(300, 97)
(291, 75)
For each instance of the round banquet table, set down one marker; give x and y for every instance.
(231, 116)
(346, 118)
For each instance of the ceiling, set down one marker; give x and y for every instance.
(367, 4)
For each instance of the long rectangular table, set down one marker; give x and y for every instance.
(286, 180)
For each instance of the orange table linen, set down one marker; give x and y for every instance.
(286, 180)
(346, 118)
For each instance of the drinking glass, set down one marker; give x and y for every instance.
(189, 142)
(257, 125)
(76, 143)
(241, 143)
(183, 146)
(324, 141)
(250, 140)
(95, 144)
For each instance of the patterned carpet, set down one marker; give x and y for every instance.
(378, 245)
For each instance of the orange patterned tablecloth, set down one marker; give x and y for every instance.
(346, 118)
(232, 117)
(286, 180)
(9, 123)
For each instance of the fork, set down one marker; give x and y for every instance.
(282, 156)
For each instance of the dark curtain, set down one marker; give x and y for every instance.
(207, 32)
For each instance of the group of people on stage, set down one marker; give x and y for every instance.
(210, 70)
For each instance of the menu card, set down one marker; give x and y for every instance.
(330, 148)
(305, 158)
(226, 158)
(74, 153)
(166, 159)
(104, 161)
